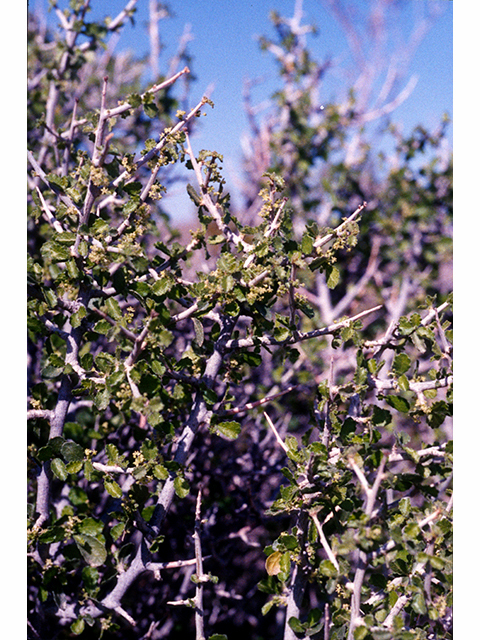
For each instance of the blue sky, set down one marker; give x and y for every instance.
(226, 52)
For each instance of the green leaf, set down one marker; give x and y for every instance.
(74, 467)
(72, 452)
(398, 403)
(91, 527)
(418, 604)
(404, 506)
(77, 317)
(381, 417)
(307, 244)
(401, 364)
(230, 430)
(160, 472)
(158, 368)
(296, 625)
(403, 383)
(58, 468)
(327, 568)
(113, 309)
(92, 550)
(199, 333)
(181, 486)
(412, 531)
(90, 576)
(117, 530)
(194, 195)
(149, 450)
(102, 398)
(360, 633)
(333, 277)
(55, 252)
(77, 627)
(113, 488)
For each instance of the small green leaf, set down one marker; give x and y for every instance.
(72, 452)
(381, 417)
(92, 550)
(77, 626)
(401, 364)
(360, 633)
(55, 252)
(181, 486)
(307, 244)
(327, 568)
(333, 277)
(230, 430)
(113, 488)
(403, 383)
(199, 333)
(102, 398)
(59, 469)
(149, 450)
(113, 309)
(404, 506)
(74, 467)
(160, 472)
(296, 625)
(398, 403)
(90, 578)
(91, 526)
(418, 604)
(194, 195)
(117, 530)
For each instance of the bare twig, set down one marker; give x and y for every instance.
(200, 576)
(258, 403)
(298, 336)
(323, 539)
(277, 435)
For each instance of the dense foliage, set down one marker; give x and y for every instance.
(246, 431)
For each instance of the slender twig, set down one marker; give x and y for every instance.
(127, 175)
(200, 577)
(416, 387)
(298, 336)
(48, 214)
(211, 206)
(258, 403)
(322, 240)
(97, 159)
(395, 610)
(126, 106)
(56, 190)
(277, 435)
(123, 15)
(323, 539)
(299, 577)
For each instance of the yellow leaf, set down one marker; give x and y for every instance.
(272, 563)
